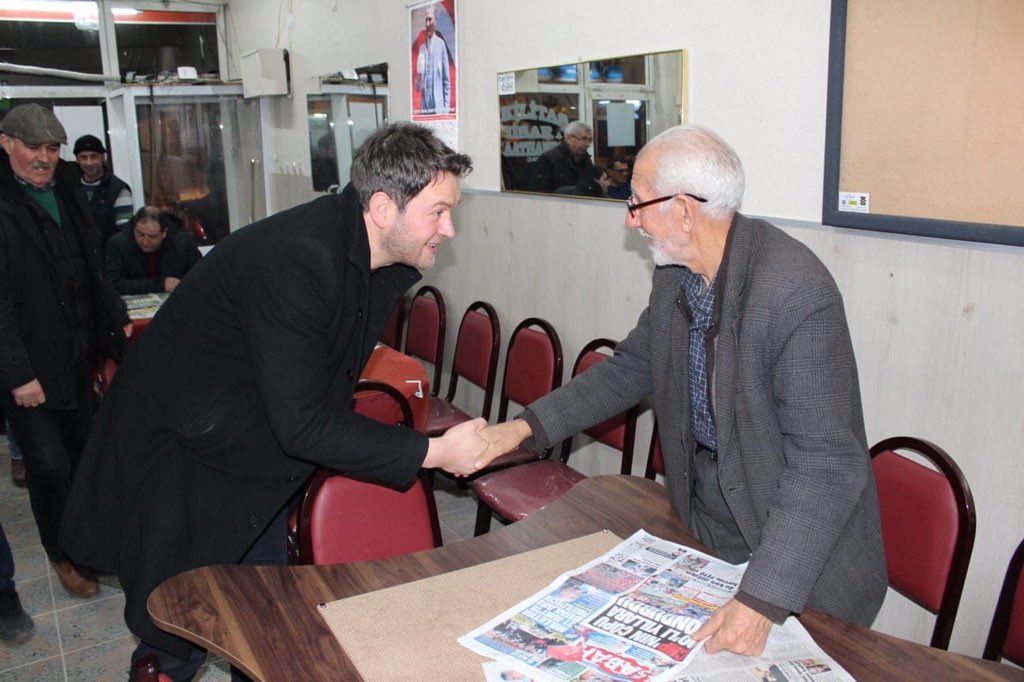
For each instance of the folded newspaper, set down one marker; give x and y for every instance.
(629, 616)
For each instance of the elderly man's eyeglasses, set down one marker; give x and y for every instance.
(633, 207)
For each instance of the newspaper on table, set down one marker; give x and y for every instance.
(789, 655)
(629, 616)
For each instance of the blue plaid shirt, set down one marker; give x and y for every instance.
(702, 306)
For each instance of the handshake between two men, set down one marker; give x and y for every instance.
(469, 447)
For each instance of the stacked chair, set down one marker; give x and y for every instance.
(515, 493)
(425, 331)
(928, 526)
(476, 360)
(1006, 636)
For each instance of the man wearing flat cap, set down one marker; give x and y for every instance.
(110, 197)
(58, 315)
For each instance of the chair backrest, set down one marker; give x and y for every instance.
(928, 524)
(424, 334)
(617, 432)
(476, 352)
(1006, 636)
(343, 519)
(533, 364)
(655, 457)
(392, 332)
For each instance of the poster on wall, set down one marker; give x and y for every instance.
(434, 68)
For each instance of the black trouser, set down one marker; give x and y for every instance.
(710, 515)
(270, 549)
(51, 442)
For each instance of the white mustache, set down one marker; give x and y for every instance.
(39, 165)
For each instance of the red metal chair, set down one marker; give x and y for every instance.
(425, 331)
(655, 457)
(342, 519)
(928, 525)
(533, 368)
(516, 492)
(392, 332)
(1006, 636)
(476, 359)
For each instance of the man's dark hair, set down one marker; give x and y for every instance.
(150, 213)
(400, 160)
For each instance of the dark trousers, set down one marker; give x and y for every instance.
(270, 549)
(51, 443)
(6, 563)
(710, 515)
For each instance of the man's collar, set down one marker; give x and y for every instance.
(28, 185)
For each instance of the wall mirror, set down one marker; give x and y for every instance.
(347, 107)
(625, 101)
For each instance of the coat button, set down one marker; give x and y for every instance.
(359, 313)
(61, 305)
(348, 374)
(254, 522)
(293, 478)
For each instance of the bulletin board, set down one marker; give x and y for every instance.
(925, 118)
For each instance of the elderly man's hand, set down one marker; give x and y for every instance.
(503, 438)
(735, 627)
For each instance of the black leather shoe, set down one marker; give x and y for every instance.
(15, 625)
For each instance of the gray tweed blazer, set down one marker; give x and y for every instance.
(793, 458)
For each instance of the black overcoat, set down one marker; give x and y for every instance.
(239, 388)
(36, 336)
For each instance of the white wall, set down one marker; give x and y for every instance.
(937, 325)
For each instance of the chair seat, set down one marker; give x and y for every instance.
(520, 491)
(521, 455)
(442, 415)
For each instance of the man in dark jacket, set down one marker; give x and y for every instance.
(57, 315)
(151, 255)
(242, 384)
(563, 167)
(109, 196)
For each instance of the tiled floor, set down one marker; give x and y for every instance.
(86, 640)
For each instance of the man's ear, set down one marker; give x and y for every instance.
(381, 209)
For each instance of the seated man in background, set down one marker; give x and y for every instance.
(151, 255)
(745, 349)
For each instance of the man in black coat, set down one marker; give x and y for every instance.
(242, 384)
(151, 255)
(57, 316)
(565, 166)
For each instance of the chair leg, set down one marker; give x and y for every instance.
(483, 519)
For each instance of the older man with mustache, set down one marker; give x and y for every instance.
(57, 316)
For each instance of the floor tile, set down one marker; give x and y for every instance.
(48, 670)
(36, 596)
(42, 645)
(93, 622)
(23, 533)
(218, 671)
(29, 562)
(102, 662)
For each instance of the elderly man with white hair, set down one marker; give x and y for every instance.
(745, 349)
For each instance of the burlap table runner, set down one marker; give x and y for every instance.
(409, 632)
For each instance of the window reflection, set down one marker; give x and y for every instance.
(338, 123)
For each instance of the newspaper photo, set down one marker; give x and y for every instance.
(628, 616)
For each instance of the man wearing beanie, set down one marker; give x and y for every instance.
(109, 196)
(58, 315)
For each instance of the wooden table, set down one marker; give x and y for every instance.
(242, 612)
(404, 373)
